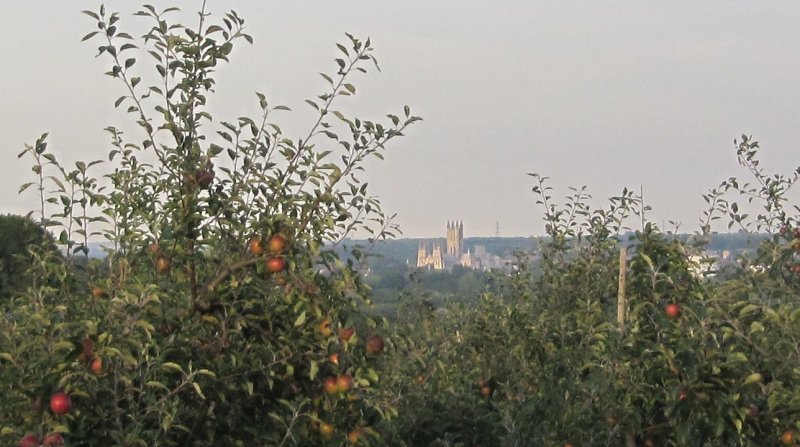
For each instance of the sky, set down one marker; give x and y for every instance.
(607, 94)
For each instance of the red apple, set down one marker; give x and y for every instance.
(346, 333)
(331, 385)
(354, 436)
(277, 243)
(60, 403)
(97, 293)
(54, 440)
(374, 344)
(204, 178)
(96, 367)
(30, 441)
(276, 265)
(673, 310)
(256, 247)
(344, 382)
(788, 437)
(486, 391)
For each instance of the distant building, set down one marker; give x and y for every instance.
(433, 257)
(432, 260)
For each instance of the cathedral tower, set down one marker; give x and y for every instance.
(455, 238)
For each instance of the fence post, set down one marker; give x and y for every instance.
(622, 303)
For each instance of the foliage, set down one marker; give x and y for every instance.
(22, 242)
(216, 310)
(562, 370)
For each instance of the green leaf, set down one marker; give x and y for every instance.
(89, 36)
(752, 378)
(314, 370)
(214, 150)
(198, 390)
(734, 357)
(60, 428)
(6, 356)
(173, 366)
(24, 187)
(300, 319)
(747, 310)
(156, 384)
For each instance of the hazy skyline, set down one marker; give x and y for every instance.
(606, 94)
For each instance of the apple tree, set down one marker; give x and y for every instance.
(216, 315)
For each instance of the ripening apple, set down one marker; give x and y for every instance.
(154, 248)
(326, 430)
(344, 382)
(276, 265)
(280, 280)
(60, 403)
(277, 243)
(354, 436)
(97, 293)
(54, 440)
(346, 333)
(486, 390)
(256, 246)
(96, 367)
(331, 385)
(30, 441)
(204, 178)
(673, 310)
(162, 264)
(325, 327)
(374, 344)
(334, 358)
(788, 437)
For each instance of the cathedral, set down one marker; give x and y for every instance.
(437, 259)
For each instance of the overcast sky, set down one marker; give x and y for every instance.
(606, 94)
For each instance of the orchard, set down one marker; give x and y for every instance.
(221, 313)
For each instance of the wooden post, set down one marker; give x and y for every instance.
(622, 303)
(622, 306)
